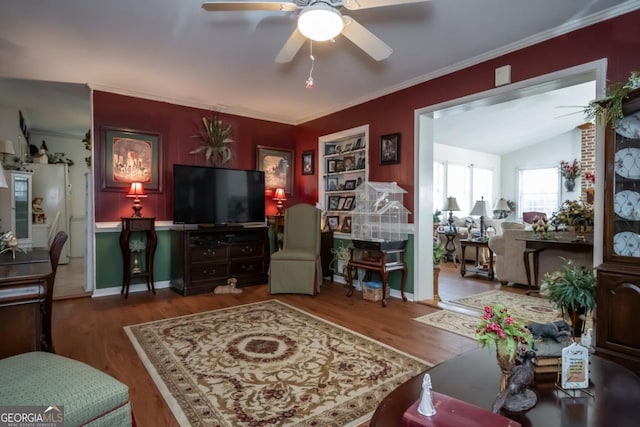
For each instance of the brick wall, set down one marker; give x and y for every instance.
(588, 156)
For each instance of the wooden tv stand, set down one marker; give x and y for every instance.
(204, 258)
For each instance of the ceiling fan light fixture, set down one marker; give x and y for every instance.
(320, 22)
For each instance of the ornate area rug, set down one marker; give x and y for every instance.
(522, 307)
(452, 321)
(268, 363)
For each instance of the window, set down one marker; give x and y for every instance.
(466, 183)
(459, 186)
(539, 190)
(438, 186)
(482, 185)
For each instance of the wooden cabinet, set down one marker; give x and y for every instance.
(202, 259)
(618, 293)
(15, 206)
(344, 165)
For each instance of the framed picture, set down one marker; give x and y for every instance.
(390, 149)
(348, 146)
(340, 165)
(350, 184)
(131, 155)
(349, 163)
(332, 222)
(333, 202)
(341, 203)
(329, 149)
(346, 225)
(359, 144)
(348, 203)
(277, 164)
(332, 184)
(331, 166)
(308, 163)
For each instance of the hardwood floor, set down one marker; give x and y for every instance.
(91, 329)
(70, 280)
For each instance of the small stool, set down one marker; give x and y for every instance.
(87, 394)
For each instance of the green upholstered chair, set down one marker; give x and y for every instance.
(296, 268)
(89, 396)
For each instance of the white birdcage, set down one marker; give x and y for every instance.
(379, 215)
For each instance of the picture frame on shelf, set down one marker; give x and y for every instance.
(329, 149)
(340, 165)
(131, 155)
(390, 149)
(332, 184)
(308, 163)
(332, 222)
(341, 203)
(331, 166)
(346, 225)
(277, 165)
(348, 203)
(359, 144)
(361, 163)
(349, 163)
(333, 202)
(350, 184)
(348, 146)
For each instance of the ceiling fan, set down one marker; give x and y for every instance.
(318, 20)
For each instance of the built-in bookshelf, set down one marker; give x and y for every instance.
(344, 166)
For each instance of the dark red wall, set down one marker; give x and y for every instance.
(176, 124)
(617, 39)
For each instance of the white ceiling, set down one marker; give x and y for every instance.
(175, 51)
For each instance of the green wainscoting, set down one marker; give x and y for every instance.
(109, 260)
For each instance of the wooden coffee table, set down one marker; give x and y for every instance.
(474, 377)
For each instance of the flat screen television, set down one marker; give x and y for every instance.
(217, 196)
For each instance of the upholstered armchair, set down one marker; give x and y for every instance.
(296, 268)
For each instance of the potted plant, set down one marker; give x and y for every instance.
(216, 140)
(573, 291)
(609, 109)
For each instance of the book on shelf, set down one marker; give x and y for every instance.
(547, 361)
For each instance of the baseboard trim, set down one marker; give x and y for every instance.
(138, 287)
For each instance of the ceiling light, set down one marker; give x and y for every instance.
(320, 22)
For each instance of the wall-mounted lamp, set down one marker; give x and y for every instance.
(136, 190)
(280, 197)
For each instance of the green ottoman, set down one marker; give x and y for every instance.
(89, 396)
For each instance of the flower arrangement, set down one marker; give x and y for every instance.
(588, 176)
(570, 170)
(498, 327)
(574, 212)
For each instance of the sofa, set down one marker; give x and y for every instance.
(509, 251)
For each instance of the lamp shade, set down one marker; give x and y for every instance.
(481, 208)
(320, 22)
(502, 205)
(6, 147)
(451, 205)
(279, 194)
(136, 190)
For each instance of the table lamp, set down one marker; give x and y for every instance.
(481, 209)
(280, 197)
(451, 205)
(136, 190)
(502, 208)
(6, 147)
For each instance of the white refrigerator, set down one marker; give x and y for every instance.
(51, 182)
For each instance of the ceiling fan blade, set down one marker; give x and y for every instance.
(240, 5)
(291, 47)
(365, 39)
(366, 4)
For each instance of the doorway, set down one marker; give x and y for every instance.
(425, 120)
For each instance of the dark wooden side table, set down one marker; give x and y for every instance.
(277, 222)
(132, 225)
(474, 377)
(534, 247)
(450, 246)
(382, 261)
(478, 244)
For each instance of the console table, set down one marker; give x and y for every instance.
(23, 307)
(474, 377)
(383, 261)
(478, 244)
(131, 225)
(534, 247)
